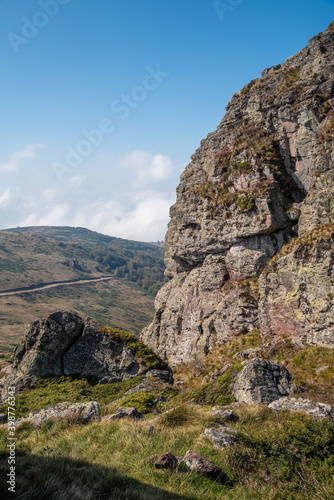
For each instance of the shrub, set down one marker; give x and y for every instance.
(136, 346)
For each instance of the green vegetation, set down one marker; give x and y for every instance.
(53, 390)
(142, 351)
(42, 251)
(245, 203)
(276, 457)
(217, 392)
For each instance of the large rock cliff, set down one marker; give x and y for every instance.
(262, 179)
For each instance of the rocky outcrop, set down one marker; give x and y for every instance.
(261, 382)
(268, 165)
(65, 344)
(83, 413)
(297, 290)
(311, 408)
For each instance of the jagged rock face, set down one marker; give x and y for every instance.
(269, 163)
(64, 344)
(297, 298)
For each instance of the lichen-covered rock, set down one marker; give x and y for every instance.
(261, 382)
(64, 344)
(297, 290)
(83, 413)
(312, 408)
(222, 437)
(269, 163)
(204, 467)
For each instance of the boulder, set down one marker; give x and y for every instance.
(204, 467)
(125, 413)
(261, 382)
(166, 461)
(3, 418)
(221, 438)
(311, 408)
(64, 344)
(76, 412)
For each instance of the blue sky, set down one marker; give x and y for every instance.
(103, 102)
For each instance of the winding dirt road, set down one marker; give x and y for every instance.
(39, 288)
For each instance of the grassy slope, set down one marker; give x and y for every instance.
(30, 256)
(276, 456)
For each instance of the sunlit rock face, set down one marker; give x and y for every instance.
(264, 177)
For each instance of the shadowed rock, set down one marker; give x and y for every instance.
(64, 344)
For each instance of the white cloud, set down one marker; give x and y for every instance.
(147, 167)
(14, 160)
(146, 219)
(5, 198)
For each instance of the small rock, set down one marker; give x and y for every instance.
(221, 414)
(220, 438)
(312, 408)
(298, 343)
(150, 429)
(204, 467)
(3, 418)
(321, 369)
(160, 399)
(166, 461)
(125, 413)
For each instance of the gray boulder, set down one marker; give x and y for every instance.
(261, 382)
(64, 344)
(76, 412)
(311, 408)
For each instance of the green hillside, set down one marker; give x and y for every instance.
(41, 255)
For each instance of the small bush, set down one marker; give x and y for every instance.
(142, 401)
(183, 414)
(245, 203)
(217, 392)
(131, 342)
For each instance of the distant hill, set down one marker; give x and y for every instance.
(40, 255)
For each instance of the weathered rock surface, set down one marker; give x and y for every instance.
(224, 436)
(204, 467)
(126, 412)
(313, 409)
(76, 412)
(261, 382)
(64, 344)
(297, 290)
(268, 165)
